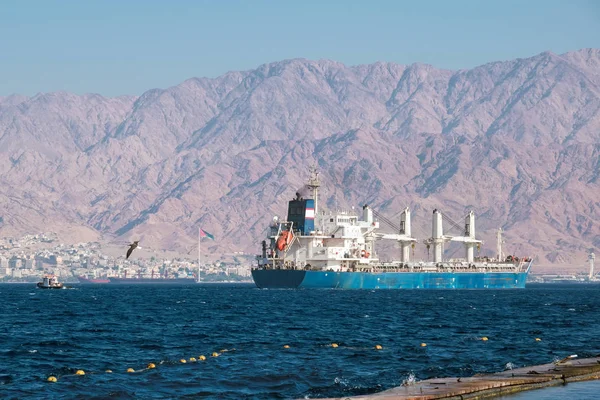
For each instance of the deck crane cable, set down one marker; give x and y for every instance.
(385, 220)
(419, 231)
(453, 224)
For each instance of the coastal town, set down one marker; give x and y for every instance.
(27, 258)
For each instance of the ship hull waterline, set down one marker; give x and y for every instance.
(292, 279)
(39, 286)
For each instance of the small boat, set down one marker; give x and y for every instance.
(49, 282)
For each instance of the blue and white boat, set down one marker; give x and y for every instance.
(337, 250)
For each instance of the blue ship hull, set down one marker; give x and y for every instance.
(291, 279)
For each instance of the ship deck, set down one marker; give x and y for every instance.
(493, 385)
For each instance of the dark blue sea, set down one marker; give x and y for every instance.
(100, 327)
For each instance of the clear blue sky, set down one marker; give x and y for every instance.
(128, 46)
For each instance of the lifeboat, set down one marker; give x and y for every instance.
(285, 239)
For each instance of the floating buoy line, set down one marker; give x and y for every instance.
(202, 358)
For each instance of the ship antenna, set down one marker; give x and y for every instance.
(314, 184)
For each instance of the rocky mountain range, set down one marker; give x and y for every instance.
(516, 141)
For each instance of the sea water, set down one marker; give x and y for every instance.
(422, 333)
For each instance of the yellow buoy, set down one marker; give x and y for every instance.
(130, 370)
(151, 366)
(287, 346)
(215, 354)
(334, 345)
(192, 359)
(537, 339)
(201, 358)
(423, 344)
(80, 372)
(182, 361)
(378, 347)
(109, 371)
(52, 379)
(485, 339)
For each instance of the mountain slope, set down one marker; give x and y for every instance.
(517, 141)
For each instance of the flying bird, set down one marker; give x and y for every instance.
(131, 247)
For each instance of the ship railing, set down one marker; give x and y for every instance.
(440, 267)
(426, 268)
(280, 264)
(390, 267)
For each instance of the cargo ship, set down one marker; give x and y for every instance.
(312, 249)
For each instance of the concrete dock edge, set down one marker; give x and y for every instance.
(492, 385)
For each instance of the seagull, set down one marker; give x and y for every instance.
(131, 247)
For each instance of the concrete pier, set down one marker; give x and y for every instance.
(492, 385)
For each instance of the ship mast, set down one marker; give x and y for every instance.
(499, 242)
(314, 184)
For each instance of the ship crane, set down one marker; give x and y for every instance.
(438, 238)
(403, 236)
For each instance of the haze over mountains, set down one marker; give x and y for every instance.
(517, 141)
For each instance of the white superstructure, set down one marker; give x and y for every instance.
(344, 241)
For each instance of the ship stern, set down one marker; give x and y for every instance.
(278, 278)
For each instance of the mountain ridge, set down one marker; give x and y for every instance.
(516, 140)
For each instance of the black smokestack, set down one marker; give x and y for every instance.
(304, 191)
